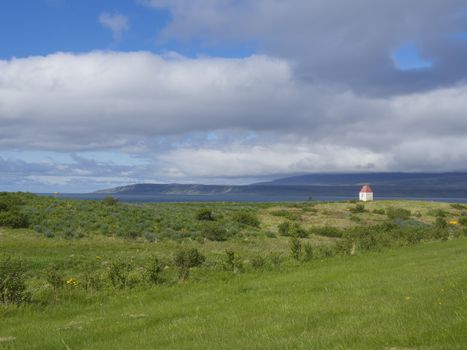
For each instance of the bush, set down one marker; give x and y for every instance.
(295, 247)
(276, 259)
(359, 208)
(284, 228)
(379, 211)
(54, 278)
(258, 262)
(154, 270)
(327, 231)
(325, 251)
(438, 213)
(246, 218)
(9, 201)
(118, 273)
(204, 214)
(298, 231)
(110, 201)
(186, 259)
(150, 237)
(441, 223)
(91, 276)
(13, 219)
(458, 206)
(214, 232)
(294, 229)
(232, 262)
(463, 220)
(12, 281)
(398, 213)
(308, 250)
(291, 215)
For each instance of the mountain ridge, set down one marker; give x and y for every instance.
(387, 183)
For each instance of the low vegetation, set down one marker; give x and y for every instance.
(70, 258)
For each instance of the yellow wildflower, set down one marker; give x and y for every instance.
(453, 222)
(72, 282)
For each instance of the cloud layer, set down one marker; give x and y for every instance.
(323, 94)
(340, 42)
(213, 117)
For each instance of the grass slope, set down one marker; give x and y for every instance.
(406, 298)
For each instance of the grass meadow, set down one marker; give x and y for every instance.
(394, 278)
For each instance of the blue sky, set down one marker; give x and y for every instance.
(40, 27)
(99, 93)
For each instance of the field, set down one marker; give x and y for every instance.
(389, 275)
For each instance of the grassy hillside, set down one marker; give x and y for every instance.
(341, 275)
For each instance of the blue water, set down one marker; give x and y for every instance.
(243, 198)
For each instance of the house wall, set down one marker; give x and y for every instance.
(366, 196)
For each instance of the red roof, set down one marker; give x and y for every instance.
(366, 189)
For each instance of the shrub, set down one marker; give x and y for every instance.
(295, 247)
(463, 220)
(13, 219)
(308, 250)
(344, 246)
(327, 231)
(441, 223)
(458, 206)
(110, 201)
(54, 278)
(214, 232)
(379, 211)
(276, 259)
(398, 213)
(284, 228)
(294, 229)
(229, 260)
(246, 218)
(438, 213)
(298, 231)
(233, 262)
(204, 214)
(186, 259)
(325, 251)
(258, 262)
(359, 208)
(154, 270)
(12, 281)
(91, 276)
(118, 273)
(9, 201)
(291, 215)
(150, 236)
(131, 234)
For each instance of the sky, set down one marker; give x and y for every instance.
(102, 93)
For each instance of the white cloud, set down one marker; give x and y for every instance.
(275, 158)
(266, 120)
(117, 23)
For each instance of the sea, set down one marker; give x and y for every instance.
(161, 198)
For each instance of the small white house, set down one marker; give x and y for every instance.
(366, 194)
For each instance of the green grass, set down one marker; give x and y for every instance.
(405, 298)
